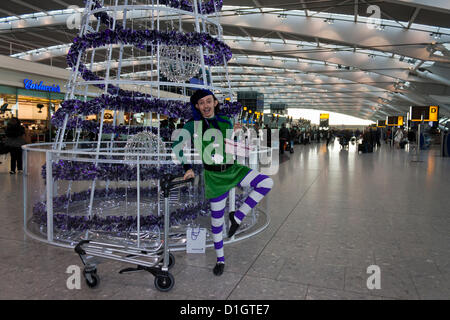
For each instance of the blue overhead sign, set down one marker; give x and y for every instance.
(30, 85)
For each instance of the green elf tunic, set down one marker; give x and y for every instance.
(216, 183)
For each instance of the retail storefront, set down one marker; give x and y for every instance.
(31, 92)
(33, 107)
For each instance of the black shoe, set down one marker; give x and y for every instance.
(234, 225)
(11, 172)
(218, 269)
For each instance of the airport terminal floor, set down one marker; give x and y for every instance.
(334, 214)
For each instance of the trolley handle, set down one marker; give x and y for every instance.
(167, 183)
(178, 182)
(78, 247)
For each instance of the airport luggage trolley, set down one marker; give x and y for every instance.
(157, 261)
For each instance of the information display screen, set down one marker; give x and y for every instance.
(430, 113)
(392, 120)
(324, 123)
(381, 123)
(395, 121)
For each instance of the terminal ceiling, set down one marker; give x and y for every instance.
(305, 53)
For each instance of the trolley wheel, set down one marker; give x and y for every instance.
(171, 260)
(92, 279)
(164, 282)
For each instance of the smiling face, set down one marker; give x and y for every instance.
(206, 106)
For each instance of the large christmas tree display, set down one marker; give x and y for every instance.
(133, 66)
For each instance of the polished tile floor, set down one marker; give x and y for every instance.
(333, 214)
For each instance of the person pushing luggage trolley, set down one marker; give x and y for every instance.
(220, 177)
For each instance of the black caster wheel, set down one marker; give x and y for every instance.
(92, 278)
(164, 282)
(171, 260)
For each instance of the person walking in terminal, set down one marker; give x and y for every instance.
(220, 177)
(328, 137)
(378, 137)
(291, 140)
(284, 137)
(398, 137)
(15, 139)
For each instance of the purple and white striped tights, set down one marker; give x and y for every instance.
(261, 185)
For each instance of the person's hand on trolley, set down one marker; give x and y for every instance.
(189, 174)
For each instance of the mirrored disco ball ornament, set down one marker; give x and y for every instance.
(143, 143)
(179, 63)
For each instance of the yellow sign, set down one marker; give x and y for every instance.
(324, 116)
(249, 111)
(433, 113)
(429, 113)
(400, 120)
(245, 108)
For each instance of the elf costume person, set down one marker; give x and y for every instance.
(220, 176)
